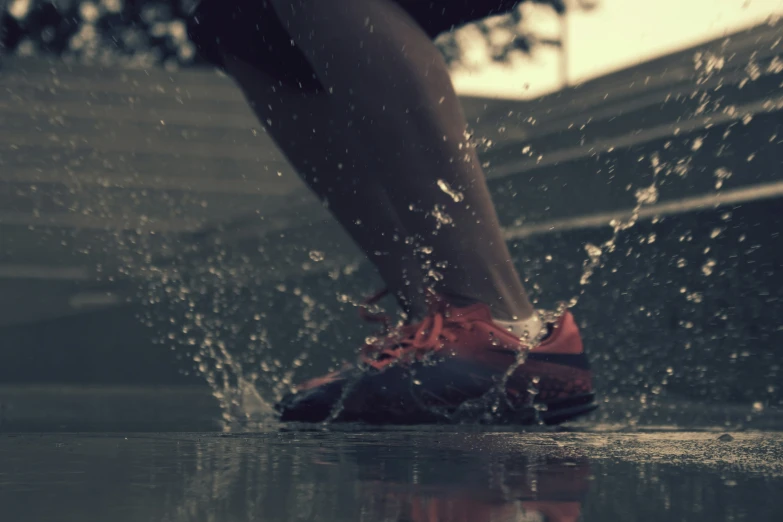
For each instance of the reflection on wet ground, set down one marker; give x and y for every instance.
(443, 475)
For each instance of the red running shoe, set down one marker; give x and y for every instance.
(456, 365)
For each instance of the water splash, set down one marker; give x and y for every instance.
(209, 305)
(721, 175)
(441, 217)
(708, 267)
(596, 253)
(455, 195)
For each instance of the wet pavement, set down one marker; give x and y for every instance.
(443, 475)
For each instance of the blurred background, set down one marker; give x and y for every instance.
(162, 267)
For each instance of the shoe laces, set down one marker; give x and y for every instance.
(413, 342)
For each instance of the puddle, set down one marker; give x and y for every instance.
(396, 475)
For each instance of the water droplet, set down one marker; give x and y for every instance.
(441, 216)
(435, 275)
(721, 174)
(594, 257)
(695, 297)
(647, 195)
(455, 195)
(708, 267)
(316, 255)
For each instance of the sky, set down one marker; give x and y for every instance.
(616, 35)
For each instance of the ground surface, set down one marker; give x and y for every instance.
(412, 475)
(663, 460)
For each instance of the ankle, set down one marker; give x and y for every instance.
(522, 312)
(523, 321)
(526, 329)
(511, 307)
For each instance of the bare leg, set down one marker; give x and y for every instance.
(330, 159)
(388, 80)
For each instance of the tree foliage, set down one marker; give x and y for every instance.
(521, 41)
(140, 30)
(152, 31)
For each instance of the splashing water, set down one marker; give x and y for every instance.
(441, 217)
(238, 397)
(204, 305)
(455, 195)
(721, 175)
(708, 267)
(595, 253)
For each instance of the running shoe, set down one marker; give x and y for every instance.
(456, 365)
